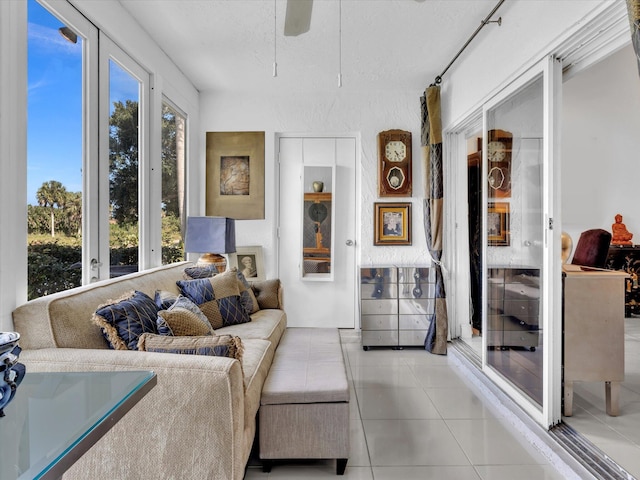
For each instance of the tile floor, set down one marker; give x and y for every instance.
(416, 416)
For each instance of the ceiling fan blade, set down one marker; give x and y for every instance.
(298, 17)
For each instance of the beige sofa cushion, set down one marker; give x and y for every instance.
(256, 361)
(264, 324)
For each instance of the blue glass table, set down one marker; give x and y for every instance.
(56, 417)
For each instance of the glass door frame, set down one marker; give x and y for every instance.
(551, 288)
(109, 51)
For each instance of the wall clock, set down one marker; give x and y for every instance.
(394, 163)
(499, 143)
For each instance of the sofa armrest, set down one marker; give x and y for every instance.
(193, 417)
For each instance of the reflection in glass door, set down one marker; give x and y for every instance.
(514, 236)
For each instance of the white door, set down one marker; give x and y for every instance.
(521, 250)
(326, 298)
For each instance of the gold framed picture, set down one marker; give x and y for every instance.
(235, 175)
(392, 223)
(498, 224)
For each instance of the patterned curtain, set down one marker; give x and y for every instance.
(431, 142)
(633, 7)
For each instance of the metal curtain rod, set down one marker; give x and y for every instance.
(487, 20)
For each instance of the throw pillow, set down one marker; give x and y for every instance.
(183, 318)
(218, 297)
(200, 271)
(164, 299)
(123, 320)
(247, 297)
(218, 345)
(266, 293)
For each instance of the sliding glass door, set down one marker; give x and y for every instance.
(521, 286)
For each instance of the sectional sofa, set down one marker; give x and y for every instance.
(199, 421)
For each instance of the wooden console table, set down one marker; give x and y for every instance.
(593, 331)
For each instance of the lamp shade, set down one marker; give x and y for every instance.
(210, 235)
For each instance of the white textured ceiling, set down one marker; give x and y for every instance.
(228, 45)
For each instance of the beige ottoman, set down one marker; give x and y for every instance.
(304, 408)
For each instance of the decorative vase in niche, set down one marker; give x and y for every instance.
(318, 186)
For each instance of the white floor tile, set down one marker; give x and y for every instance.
(399, 376)
(458, 403)
(487, 441)
(521, 472)
(438, 376)
(395, 403)
(412, 442)
(422, 473)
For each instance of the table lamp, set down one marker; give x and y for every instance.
(211, 236)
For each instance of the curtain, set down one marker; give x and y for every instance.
(633, 7)
(431, 142)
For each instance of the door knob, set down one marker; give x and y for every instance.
(95, 264)
(349, 243)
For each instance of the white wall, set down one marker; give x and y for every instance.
(342, 111)
(498, 52)
(601, 146)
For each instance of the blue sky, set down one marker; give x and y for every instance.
(54, 135)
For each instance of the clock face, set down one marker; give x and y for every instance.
(395, 151)
(496, 151)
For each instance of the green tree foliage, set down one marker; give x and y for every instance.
(52, 195)
(123, 162)
(169, 163)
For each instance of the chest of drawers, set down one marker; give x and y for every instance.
(513, 307)
(396, 304)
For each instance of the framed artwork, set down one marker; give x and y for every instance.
(248, 260)
(498, 224)
(235, 175)
(392, 223)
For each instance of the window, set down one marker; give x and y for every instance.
(173, 180)
(92, 185)
(54, 153)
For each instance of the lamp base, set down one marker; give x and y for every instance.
(213, 259)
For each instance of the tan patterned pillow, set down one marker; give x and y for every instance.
(211, 345)
(267, 293)
(183, 318)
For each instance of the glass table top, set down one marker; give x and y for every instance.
(55, 417)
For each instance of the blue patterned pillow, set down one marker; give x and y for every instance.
(164, 299)
(218, 297)
(183, 318)
(125, 319)
(200, 271)
(247, 297)
(212, 345)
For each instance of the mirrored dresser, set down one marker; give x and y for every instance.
(396, 304)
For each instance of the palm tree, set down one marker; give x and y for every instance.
(52, 194)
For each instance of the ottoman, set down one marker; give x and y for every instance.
(304, 407)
